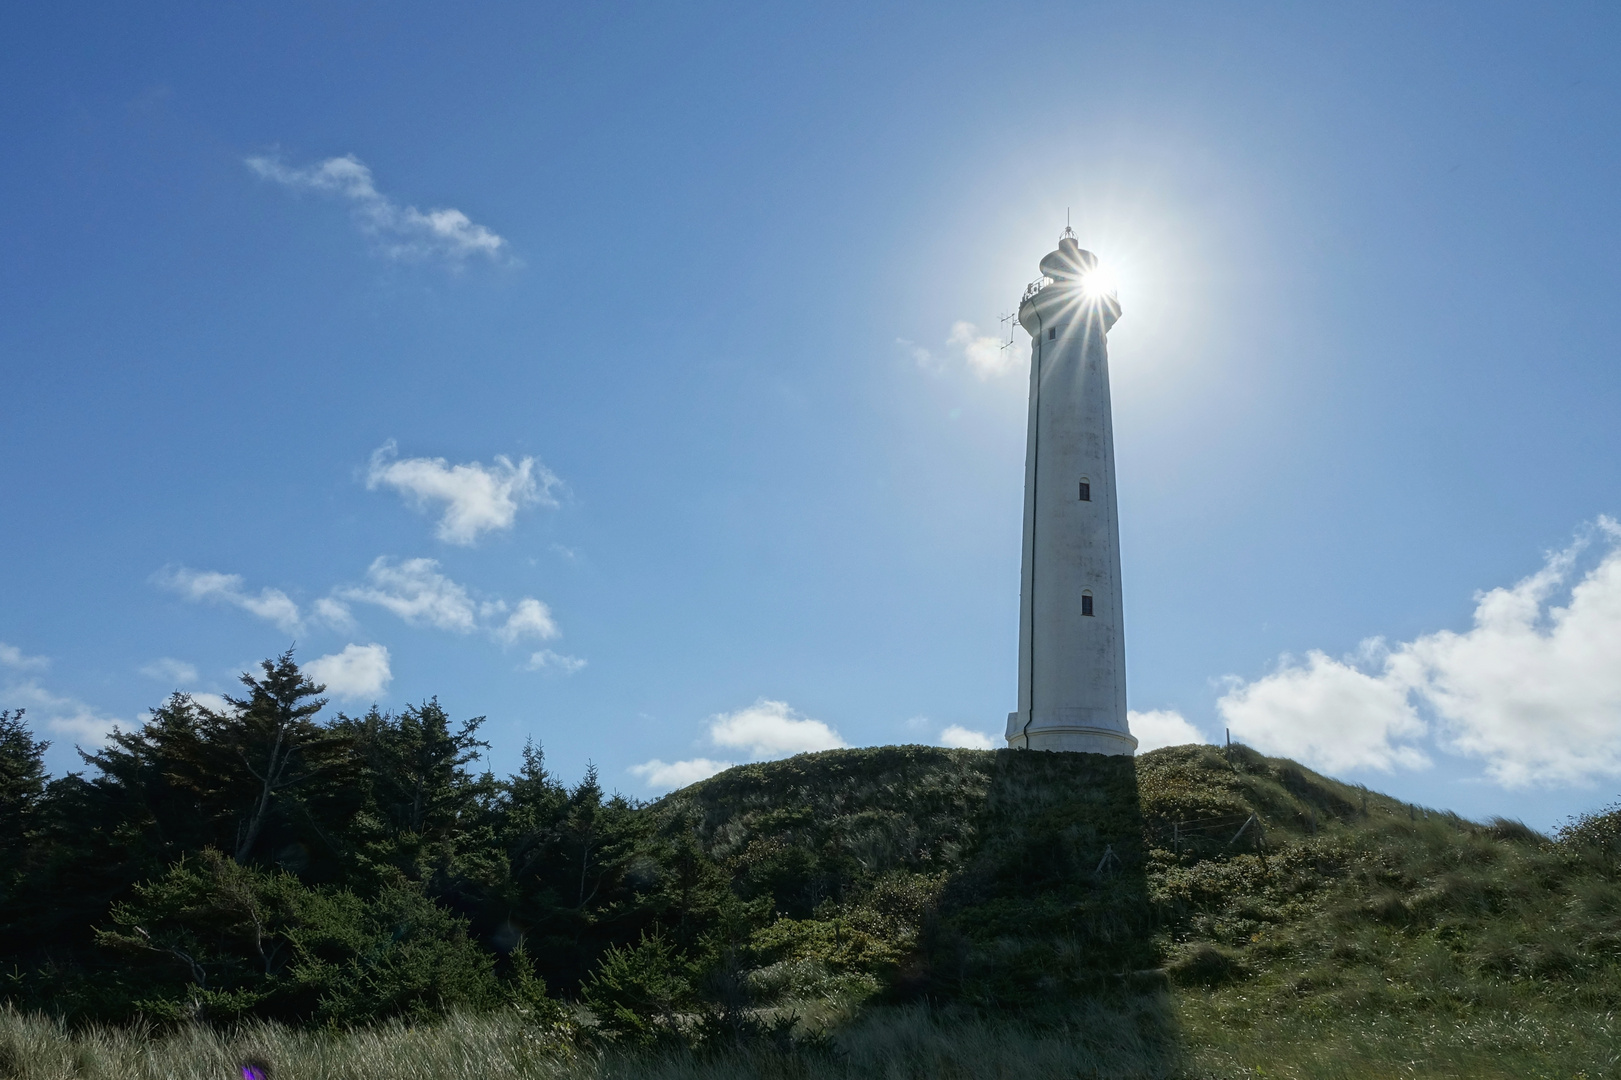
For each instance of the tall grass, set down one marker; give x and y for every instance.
(898, 1044)
(1228, 1035)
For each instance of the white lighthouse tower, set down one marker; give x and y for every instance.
(1072, 641)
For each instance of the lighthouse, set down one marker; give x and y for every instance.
(1072, 641)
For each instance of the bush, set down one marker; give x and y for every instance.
(640, 992)
(215, 940)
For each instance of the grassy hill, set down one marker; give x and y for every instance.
(1236, 911)
(913, 911)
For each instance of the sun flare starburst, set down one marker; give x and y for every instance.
(1098, 282)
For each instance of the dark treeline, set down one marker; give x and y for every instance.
(278, 861)
(268, 860)
(281, 861)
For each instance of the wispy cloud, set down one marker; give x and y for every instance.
(166, 669)
(14, 658)
(476, 498)
(334, 613)
(1532, 689)
(983, 353)
(401, 232)
(358, 672)
(546, 660)
(530, 619)
(58, 715)
(416, 592)
(984, 356)
(272, 605)
(922, 357)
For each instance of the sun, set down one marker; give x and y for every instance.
(1098, 282)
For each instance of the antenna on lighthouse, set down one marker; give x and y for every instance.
(1068, 233)
(1009, 321)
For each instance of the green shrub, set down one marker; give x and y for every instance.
(214, 940)
(642, 992)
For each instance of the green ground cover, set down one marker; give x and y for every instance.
(896, 912)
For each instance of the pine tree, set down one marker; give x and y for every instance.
(22, 790)
(277, 739)
(427, 816)
(246, 779)
(534, 807)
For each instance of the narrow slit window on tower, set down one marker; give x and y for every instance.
(1052, 333)
(1086, 602)
(1086, 490)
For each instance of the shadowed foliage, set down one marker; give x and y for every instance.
(889, 911)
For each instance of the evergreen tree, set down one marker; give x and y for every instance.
(22, 792)
(274, 734)
(427, 818)
(257, 779)
(533, 806)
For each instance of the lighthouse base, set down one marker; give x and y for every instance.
(1071, 738)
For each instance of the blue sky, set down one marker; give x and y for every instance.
(672, 320)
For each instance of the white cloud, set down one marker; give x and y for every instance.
(963, 738)
(985, 355)
(766, 729)
(12, 657)
(531, 618)
(273, 605)
(1329, 714)
(212, 702)
(64, 716)
(1162, 727)
(770, 729)
(546, 660)
(1533, 689)
(415, 591)
(476, 498)
(923, 358)
(666, 776)
(402, 232)
(358, 672)
(335, 613)
(168, 669)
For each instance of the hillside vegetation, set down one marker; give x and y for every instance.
(896, 911)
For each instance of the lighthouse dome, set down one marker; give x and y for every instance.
(1069, 262)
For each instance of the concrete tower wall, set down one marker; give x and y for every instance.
(1072, 665)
